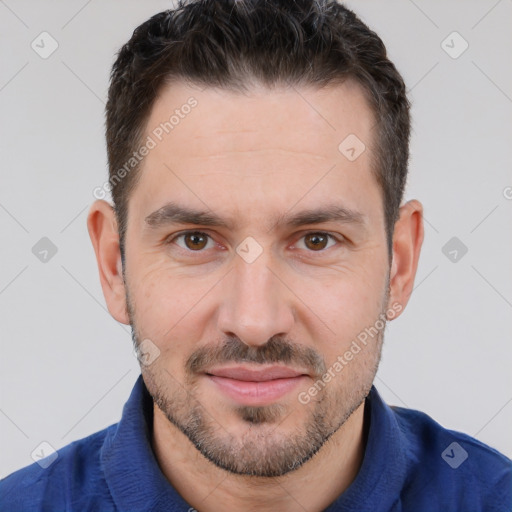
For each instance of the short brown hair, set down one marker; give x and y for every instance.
(233, 43)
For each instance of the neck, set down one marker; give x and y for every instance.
(209, 488)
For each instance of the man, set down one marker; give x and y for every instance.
(257, 245)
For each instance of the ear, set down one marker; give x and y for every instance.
(102, 226)
(407, 241)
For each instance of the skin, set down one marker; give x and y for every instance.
(250, 158)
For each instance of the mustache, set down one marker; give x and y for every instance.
(276, 350)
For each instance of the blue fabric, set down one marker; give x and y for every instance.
(409, 465)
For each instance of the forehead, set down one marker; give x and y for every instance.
(266, 147)
(316, 119)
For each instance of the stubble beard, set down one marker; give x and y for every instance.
(263, 450)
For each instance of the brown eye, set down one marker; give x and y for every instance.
(316, 241)
(195, 241)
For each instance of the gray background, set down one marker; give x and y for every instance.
(67, 367)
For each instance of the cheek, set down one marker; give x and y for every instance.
(347, 310)
(351, 346)
(169, 310)
(344, 306)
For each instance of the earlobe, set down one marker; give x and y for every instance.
(102, 227)
(407, 242)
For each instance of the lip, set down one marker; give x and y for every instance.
(255, 375)
(255, 386)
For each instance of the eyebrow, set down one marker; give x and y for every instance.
(173, 213)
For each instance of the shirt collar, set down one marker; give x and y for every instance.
(383, 472)
(137, 483)
(131, 469)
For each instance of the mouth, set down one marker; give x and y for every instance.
(255, 386)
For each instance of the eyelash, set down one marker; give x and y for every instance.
(339, 239)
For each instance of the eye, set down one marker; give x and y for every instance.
(193, 241)
(317, 241)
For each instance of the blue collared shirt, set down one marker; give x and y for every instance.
(411, 463)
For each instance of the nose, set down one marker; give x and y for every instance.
(255, 305)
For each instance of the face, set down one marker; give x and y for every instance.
(256, 272)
